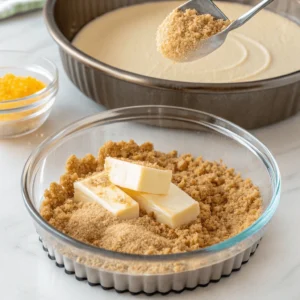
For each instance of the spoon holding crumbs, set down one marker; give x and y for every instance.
(197, 28)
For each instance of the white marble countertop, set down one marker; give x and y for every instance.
(25, 271)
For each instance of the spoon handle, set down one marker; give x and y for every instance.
(249, 14)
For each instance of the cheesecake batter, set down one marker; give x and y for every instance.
(267, 46)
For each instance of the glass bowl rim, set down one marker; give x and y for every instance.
(226, 244)
(41, 93)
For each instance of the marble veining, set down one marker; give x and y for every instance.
(26, 273)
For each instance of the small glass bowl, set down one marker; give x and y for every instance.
(168, 128)
(24, 115)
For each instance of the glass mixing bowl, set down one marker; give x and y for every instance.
(169, 128)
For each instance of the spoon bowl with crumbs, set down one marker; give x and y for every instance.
(198, 28)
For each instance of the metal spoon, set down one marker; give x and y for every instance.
(211, 44)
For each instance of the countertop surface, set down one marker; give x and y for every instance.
(25, 271)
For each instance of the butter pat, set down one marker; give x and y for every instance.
(98, 188)
(138, 177)
(175, 209)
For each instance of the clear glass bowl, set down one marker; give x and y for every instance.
(24, 115)
(169, 128)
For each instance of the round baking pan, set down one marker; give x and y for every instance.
(248, 104)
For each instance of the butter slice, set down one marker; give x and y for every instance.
(98, 188)
(175, 209)
(138, 177)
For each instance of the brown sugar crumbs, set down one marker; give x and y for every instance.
(103, 180)
(142, 163)
(181, 32)
(228, 204)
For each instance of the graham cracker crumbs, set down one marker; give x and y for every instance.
(181, 32)
(228, 204)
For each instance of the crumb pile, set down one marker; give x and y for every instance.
(181, 32)
(228, 204)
